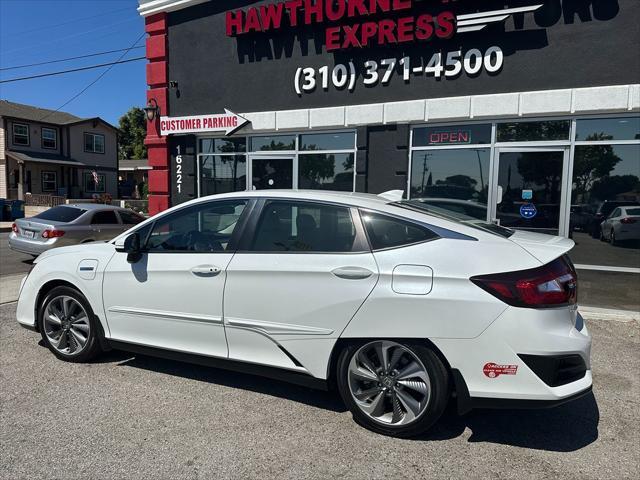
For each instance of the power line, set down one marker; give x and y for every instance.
(62, 72)
(48, 27)
(92, 83)
(15, 67)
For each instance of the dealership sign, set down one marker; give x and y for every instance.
(349, 23)
(226, 122)
(357, 24)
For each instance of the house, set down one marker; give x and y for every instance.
(55, 153)
(132, 174)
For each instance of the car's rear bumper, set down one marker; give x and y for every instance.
(31, 247)
(532, 358)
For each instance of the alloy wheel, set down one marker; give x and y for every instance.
(66, 325)
(389, 383)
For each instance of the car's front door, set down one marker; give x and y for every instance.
(172, 296)
(294, 285)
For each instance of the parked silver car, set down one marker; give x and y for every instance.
(69, 225)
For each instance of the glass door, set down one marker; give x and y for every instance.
(271, 172)
(530, 190)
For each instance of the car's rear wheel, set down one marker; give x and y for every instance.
(613, 238)
(68, 325)
(394, 388)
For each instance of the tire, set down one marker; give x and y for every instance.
(65, 314)
(403, 401)
(612, 238)
(602, 237)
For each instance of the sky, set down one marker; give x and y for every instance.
(33, 31)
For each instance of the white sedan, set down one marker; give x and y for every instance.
(400, 308)
(621, 225)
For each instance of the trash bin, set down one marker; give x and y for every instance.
(6, 211)
(2, 210)
(17, 209)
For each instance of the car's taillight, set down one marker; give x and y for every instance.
(52, 233)
(552, 285)
(14, 228)
(628, 220)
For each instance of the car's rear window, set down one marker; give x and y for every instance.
(61, 214)
(633, 211)
(456, 217)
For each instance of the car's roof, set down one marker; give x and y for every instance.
(91, 206)
(349, 198)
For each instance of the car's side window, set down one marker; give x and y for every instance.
(130, 218)
(105, 217)
(615, 213)
(387, 232)
(290, 226)
(201, 228)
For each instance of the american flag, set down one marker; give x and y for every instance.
(96, 180)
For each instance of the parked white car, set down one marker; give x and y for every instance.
(623, 224)
(402, 310)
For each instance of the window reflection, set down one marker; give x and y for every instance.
(605, 177)
(273, 143)
(452, 179)
(533, 131)
(222, 173)
(599, 129)
(326, 171)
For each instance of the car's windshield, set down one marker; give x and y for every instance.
(61, 214)
(422, 205)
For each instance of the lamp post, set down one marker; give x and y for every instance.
(152, 110)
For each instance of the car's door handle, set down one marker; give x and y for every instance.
(205, 271)
(352, 273)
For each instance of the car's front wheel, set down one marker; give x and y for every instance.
(394, 388)
(68, 325)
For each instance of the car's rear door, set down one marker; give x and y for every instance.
(171, 297)
(295, 283)
(105, 225)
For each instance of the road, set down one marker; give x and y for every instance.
(592, 251)
(137, 417)
(12, 262)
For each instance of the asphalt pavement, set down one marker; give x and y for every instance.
(129, 416)
(12, 262)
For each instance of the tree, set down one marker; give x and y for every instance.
(591, 163)
(133, 129)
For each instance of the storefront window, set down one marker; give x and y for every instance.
(606, 180)
(328, 141)
(599, 129)
(455, 179)
(223, 145)
(534, 131)
(326, 171)
(273, 142)
(222, 173)
(452, 135)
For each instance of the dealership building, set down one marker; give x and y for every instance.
(524, 112)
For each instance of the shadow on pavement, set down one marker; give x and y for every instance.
(565, 428)
(315, 398)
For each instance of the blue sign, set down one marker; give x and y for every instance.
(527, 194)
(528, 210)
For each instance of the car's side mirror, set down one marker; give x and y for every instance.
(131, 246)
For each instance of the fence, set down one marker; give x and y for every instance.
(39, 200)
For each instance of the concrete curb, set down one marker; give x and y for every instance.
(597, 313)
